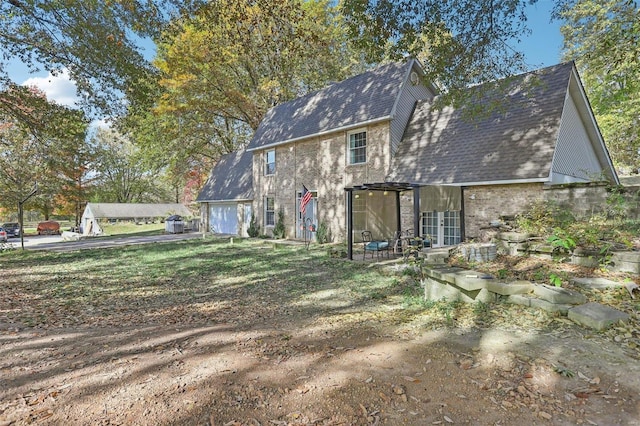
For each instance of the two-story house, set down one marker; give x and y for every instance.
(377, 155)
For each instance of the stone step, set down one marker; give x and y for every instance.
(559, 295)
(595, 283)
(520, 299)
(596, 316)
(507, 289)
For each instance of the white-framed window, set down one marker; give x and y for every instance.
(270, 162)
(269, 211)
(357, 141)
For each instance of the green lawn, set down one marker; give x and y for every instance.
(191, 280)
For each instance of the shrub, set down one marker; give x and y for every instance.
(278, 229)
(323, 234)
(254, 229)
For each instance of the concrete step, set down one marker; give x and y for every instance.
(595, 283)
(559, 295)
(533, 302)
(596, 316)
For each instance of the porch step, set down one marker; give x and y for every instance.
(436, 256)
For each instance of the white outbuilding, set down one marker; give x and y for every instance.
(94, 213)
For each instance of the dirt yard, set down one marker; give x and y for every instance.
(313, 355)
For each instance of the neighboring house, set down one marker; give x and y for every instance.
(226, 198)
(357, 143)
(94, 213)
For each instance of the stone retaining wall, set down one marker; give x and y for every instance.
(522, 244)
(444, 283)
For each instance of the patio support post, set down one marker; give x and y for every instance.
(398, 221)
(349, 224)
(416, 211)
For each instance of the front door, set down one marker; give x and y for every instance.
(310, 215)
(443, 228)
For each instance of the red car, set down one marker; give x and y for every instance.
(3, 235)
(50, 227)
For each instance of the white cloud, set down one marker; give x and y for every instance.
(58, 88)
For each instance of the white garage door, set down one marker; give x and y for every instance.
(223, 218)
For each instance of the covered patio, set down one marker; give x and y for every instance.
(394, 188)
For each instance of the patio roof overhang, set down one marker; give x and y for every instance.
(384, 186)
(397, 188)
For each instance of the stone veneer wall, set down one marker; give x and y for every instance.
(484, 204)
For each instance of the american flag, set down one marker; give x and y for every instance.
(304, 200)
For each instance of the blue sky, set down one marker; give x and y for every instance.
(541, 48)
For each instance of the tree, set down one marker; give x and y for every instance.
(96, 41)
(36, 153)
(121, 174)
(461, 42)
(74, 168)
(603, 36)
(225, 65)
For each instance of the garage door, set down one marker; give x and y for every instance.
(223, 218)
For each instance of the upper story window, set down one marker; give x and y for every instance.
(357, 147)
(270, 162)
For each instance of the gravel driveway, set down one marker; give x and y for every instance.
(55, 242)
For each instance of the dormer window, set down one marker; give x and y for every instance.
(270, 162)
(357, 147)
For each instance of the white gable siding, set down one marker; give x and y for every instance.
(404, 109)
(574, 159)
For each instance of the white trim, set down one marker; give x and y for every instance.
(326, 132)
(493, 182)
(230, 200)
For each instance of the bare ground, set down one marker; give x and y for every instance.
(319, 359)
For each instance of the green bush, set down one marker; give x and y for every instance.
(254, 229)
(323, 234)
(279, 229)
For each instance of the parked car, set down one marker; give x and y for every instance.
(3, 235)
(49, 227)
(12, 228)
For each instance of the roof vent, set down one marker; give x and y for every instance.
(414, 78)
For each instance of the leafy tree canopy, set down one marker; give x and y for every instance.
(97, 41)
(36, 146)
(223, 66)
(603, 36)
(121, 173)
(460, 42)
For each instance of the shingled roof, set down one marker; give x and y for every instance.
(363, 99)
(230, 180)
(515, 142)
(135, 210)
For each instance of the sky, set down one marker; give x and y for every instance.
(541, 48)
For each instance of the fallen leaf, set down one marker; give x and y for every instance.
(583, 377)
